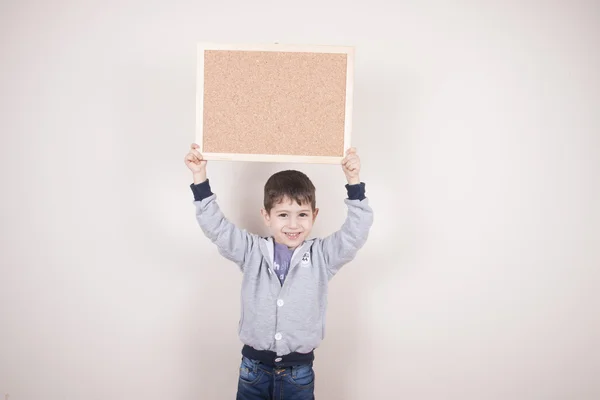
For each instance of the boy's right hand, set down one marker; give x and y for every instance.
(196, 163)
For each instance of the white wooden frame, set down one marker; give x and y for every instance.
(349, 51)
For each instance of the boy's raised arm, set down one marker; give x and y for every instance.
(342, 246)
(233, 243)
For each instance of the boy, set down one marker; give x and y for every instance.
(284, 287)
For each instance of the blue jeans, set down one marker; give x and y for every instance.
(261, 382)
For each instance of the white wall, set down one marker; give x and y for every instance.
(479, 131)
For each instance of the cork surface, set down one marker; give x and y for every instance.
(279, 103)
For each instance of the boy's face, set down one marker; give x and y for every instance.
(290, 223)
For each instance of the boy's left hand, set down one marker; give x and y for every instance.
(351, 166)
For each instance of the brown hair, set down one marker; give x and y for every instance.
(292, 184)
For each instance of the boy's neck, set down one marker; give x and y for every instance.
(289, 248)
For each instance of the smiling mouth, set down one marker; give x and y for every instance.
(293, 236)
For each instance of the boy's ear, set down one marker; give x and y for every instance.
(266, 217)
(315, 213)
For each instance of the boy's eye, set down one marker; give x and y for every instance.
(282, 215)
(303, 214)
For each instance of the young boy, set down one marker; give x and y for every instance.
(284, 287)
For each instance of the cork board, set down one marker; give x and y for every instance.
(273, 102)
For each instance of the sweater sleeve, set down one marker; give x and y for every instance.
(341, 247)
(232, 242)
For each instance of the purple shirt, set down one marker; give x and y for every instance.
(283, 257)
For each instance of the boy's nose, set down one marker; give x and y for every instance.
(293, 222)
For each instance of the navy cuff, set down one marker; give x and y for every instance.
(356, 192)
(201, 191)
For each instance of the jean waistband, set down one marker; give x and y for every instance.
(271, 358)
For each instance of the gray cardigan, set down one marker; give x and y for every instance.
(290, 317)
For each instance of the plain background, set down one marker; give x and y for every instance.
(478, 124)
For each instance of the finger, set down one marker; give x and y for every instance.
(351, 159)
(349, 156)
(353, 165)
(197, 154)
(351, 150)
(194, 146)
(192, 158)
